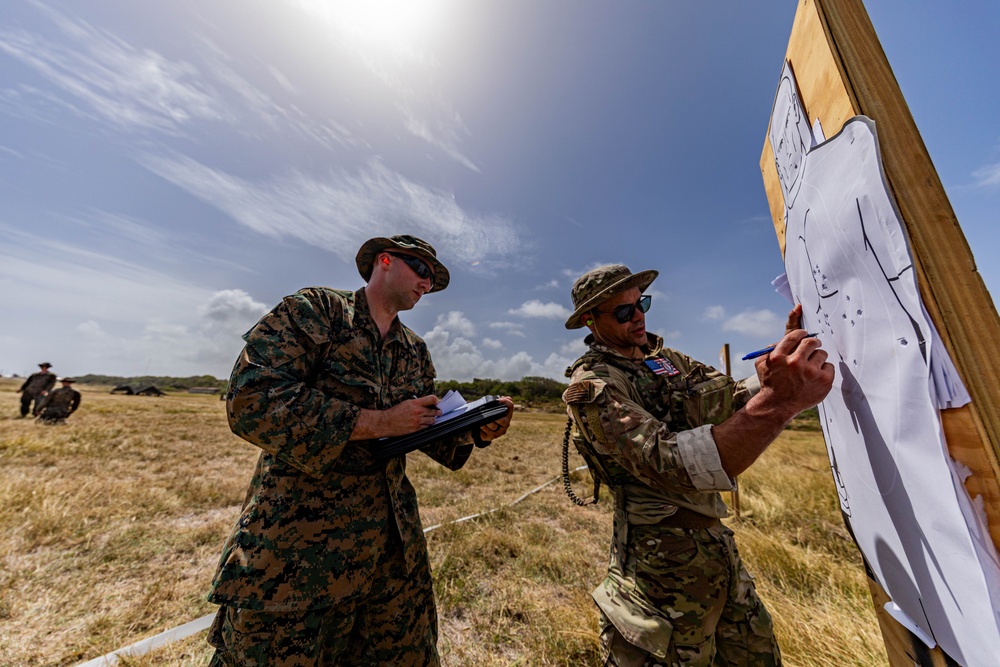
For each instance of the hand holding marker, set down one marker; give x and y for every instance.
(769, 350)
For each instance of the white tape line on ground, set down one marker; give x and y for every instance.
(203, 623)
(151, 643)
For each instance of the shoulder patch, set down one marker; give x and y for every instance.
(584, 391)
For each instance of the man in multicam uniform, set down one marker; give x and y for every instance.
(60, 404)
(35, 388)
(327, 564)
(667, 434)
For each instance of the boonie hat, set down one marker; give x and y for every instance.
(67, 380)
(602, 283)
(413, 245)
(45, 364)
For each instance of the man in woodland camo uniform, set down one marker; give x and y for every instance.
(36, 387)
(327, 564)
(60, 404)
(667, 434)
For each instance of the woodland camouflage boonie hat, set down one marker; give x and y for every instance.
(419, 247)
(602, 283)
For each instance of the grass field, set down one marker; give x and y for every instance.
(111, 526)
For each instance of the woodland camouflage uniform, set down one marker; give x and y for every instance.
(326, 528)
(676, 592)
(34, 389)
(59, 404)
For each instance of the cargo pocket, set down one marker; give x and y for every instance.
(709, 402)
(640, 623)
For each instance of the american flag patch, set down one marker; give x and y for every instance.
(662, 366)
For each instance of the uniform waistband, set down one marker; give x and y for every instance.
(689, 520)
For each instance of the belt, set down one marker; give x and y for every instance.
(689, 520)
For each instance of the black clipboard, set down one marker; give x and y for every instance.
(490, 411)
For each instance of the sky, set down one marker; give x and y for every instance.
(170, 170)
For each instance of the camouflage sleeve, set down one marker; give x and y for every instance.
(270, 403)
(623, 430)
(75, 403)
(50, 381)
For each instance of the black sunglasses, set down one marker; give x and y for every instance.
(626, 312)
(418, 265)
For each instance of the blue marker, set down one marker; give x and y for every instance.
(769, 350)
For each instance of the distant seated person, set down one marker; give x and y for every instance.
(60, 404)
(35, 388)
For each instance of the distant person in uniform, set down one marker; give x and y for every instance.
(666, 434)
(35, 388)
(327, 564)
(60, 404)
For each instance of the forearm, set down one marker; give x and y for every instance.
(742, 438)
(371, 424)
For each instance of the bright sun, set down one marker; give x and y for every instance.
(390, 22)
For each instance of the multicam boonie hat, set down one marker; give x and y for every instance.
(602, 283)
(419, 247)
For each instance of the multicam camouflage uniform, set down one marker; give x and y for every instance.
(34, 389)
(676, 591)
(59, 405)
(328, 534)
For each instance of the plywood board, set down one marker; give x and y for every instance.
(842, 72)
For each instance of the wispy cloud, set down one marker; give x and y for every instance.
(713, 313)
(340, 212)
(535, 308)
(761, 323)
(113, 80)
(510, 328)
(987, 176)
(101, 77)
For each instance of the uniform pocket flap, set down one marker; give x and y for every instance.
(639, 623)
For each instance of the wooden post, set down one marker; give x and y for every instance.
(842, 72)
(734, 496)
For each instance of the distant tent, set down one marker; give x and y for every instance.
(203, 390)
(123, 389)
(151, 390)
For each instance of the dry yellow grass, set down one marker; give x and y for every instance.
(110, 529)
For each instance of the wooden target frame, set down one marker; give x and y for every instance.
(842, 72)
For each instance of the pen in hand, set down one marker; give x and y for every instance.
(769, 350)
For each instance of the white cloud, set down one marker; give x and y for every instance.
(456, 322)
(124, 85)
(987, 176)
(492, 344)
(131, 320)
(228, 307)
(536, 308)
(91, 329)
(510, 328)
(458, 358)
(342, 211)
(713, 313)
(760, 323)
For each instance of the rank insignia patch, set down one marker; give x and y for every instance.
(662, 366)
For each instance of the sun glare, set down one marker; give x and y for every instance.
(389, 22)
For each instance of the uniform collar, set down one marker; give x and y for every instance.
(397, 333)
(652, 348)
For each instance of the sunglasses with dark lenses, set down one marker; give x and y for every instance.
(418, 265)
(626, 312)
